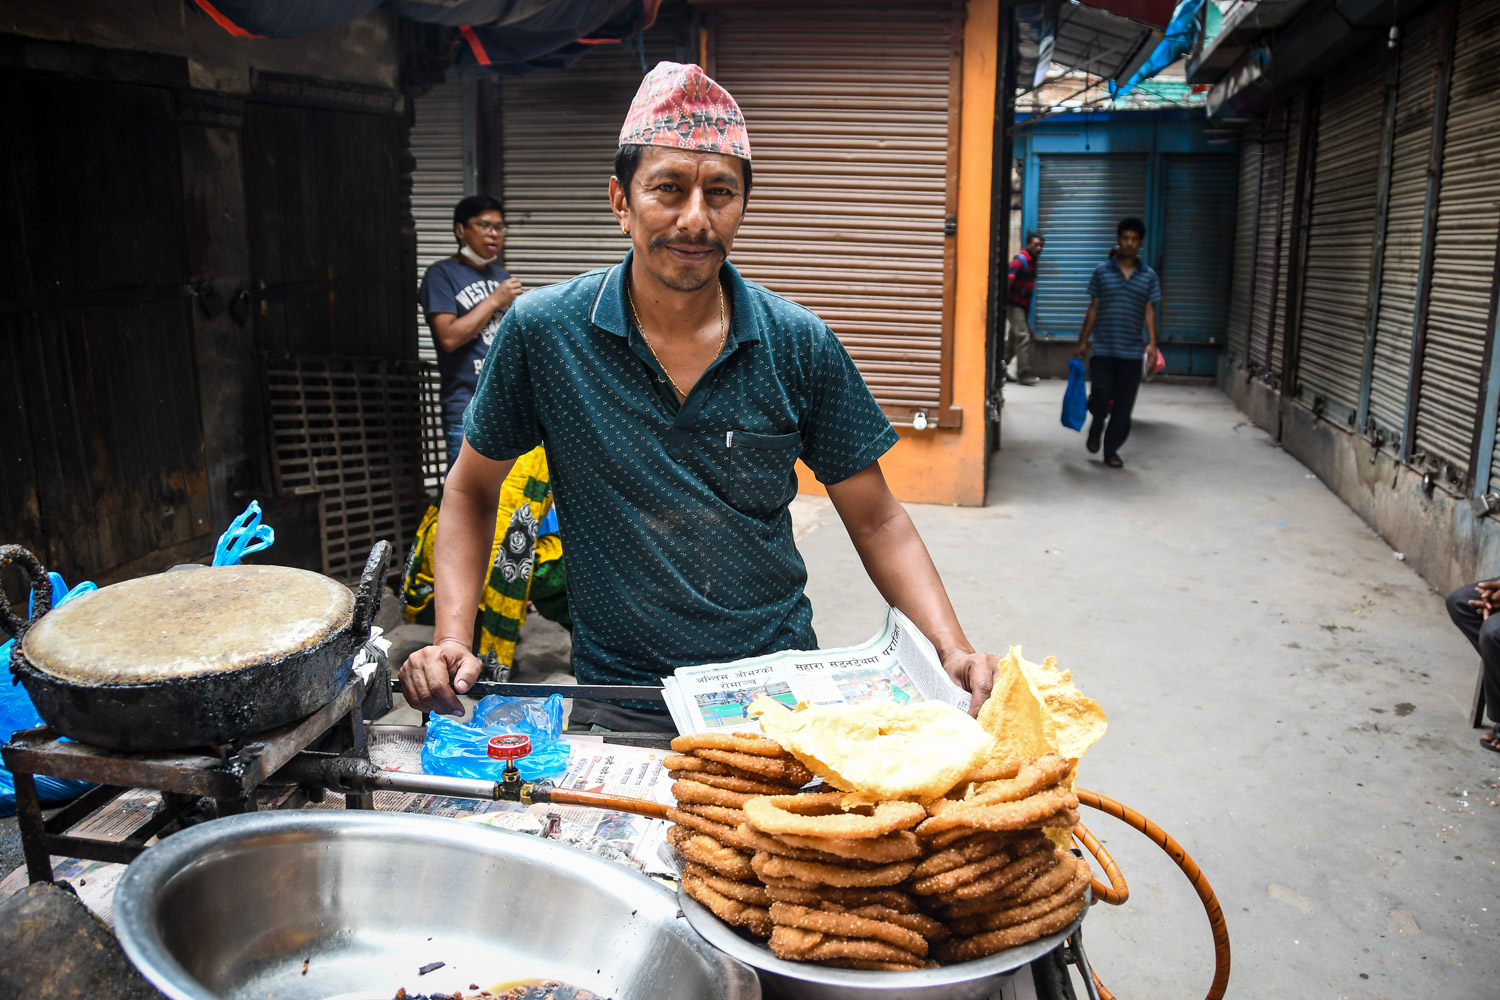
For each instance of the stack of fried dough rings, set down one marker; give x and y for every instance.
(890, 885)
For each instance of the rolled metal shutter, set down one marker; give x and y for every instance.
(437, 182)
(1296, 113)
(1267, 237)
(559, 135)
(1463, 265)
(1081, 198)
(1195, 262)
(1415, 96)
(853, 123)
(1237, 324)
(1341, 233)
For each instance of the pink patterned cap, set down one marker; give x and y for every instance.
(679, 106)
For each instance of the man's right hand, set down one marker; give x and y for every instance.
(431, 676)
(1083, 348)
(510, 289)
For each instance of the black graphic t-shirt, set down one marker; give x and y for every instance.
(451, 286)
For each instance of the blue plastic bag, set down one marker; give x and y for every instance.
(1075, 398)
(244, 535)
(17, 713)
(461, 749)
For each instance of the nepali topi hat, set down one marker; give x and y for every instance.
(678, 106)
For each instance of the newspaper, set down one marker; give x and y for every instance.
(897, 664)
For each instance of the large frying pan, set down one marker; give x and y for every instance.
(189, 658)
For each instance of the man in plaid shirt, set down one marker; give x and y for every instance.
(1021, 284)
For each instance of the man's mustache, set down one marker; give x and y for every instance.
(674, 241)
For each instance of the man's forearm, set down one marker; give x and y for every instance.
(465, 535)
(459, 330)
(1089, 318)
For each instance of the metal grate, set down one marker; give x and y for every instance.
(353, 431)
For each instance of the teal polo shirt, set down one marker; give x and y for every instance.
(673, 517)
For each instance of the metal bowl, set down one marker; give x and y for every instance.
(351, 905)
(977, 980)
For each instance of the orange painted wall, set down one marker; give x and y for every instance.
(943, 466)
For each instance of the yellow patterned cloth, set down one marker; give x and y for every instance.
(523, 566)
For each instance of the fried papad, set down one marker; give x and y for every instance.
(899, 846)
(734, 782)
(850, 898)
(746, 892)
(755, 919)
(967, 949)
(751, 743)
(787, 769)
(883, 751)
(773, 866)
(688, 792)
(848, 925)
(824, 815)
(1033, 811)
(711, 853)
(798, 944)
(991, 882)
(1021, 913)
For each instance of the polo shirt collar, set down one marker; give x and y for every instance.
(609, 309)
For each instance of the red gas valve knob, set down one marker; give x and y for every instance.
(512, 746)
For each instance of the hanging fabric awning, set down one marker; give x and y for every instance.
(503, 37)
(1173, 46)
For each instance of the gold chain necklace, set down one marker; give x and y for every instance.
(723, 336)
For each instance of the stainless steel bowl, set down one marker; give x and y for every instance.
(239, 907)
(978, 980)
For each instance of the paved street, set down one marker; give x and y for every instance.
(1285, 697)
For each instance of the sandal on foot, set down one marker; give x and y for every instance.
(1490, 742)
(1114, 461)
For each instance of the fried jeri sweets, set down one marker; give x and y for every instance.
(892, 837)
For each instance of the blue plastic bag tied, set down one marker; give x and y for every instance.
(461, 749)
(1075, 405)
(17, 713)
(244, 535)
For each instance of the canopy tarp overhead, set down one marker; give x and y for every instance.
(508, 37)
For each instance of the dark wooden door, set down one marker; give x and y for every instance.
(103, 456)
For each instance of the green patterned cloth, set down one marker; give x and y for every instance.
(679, 539)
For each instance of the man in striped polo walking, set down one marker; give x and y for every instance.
(1124, 293)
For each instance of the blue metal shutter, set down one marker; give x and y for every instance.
(1196, 259)
(1081, 198)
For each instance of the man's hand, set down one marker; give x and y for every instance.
(431, 675)
(1488, 600)
(510, 289)
(1083, 348)
(974, 672)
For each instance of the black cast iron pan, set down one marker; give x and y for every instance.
(189, 659)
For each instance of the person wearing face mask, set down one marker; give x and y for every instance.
(463, 298)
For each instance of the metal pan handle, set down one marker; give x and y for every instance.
(38, 583)
(371, 588)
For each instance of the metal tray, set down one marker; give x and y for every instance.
(978, 980)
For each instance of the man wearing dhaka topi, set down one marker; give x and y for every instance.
(673, 398)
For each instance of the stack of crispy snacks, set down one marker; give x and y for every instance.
(988, 873)
(716, 773)
(835, 876)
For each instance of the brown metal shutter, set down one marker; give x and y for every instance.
(560, 132)
(1237, 334)
(1458, 316)
(853, 122)
(1296, 113)
(1267, 236)
(437, 182)
(1341, 233)
(1415, 97)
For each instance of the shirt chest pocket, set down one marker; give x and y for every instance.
(753, 473)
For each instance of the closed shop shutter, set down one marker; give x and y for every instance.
(1341, 232)
(1081, 198)
(1411, 149)
(1281, 316)
(1458, 316)
(852, 121)
(437, 182)
(1195, 259)
(1238, 321)
(1263, 287)
(560, 132)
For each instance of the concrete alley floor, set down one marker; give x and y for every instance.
(1285, 697)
